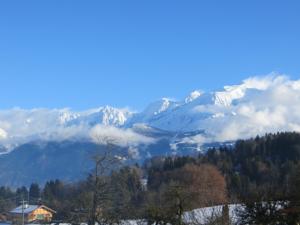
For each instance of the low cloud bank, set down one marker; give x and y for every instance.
(18, 126)
(258, 105)
(267, 104)
(102, 134)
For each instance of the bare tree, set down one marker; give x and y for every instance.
(187, 188)
(104, 162)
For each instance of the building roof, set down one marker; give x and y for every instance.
(30, 208)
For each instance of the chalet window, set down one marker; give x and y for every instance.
(40, 216)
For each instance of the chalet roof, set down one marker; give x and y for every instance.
(30, 208)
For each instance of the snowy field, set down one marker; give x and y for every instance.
(200, 216)
(197, 216)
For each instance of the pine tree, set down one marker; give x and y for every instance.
(34, 193)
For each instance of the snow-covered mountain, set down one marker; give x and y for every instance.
(51, 138)
(256, 106)
(19, 126)
(107, 116)
(198, 107)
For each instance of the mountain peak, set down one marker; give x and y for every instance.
(159, 106)
(251, 107)
(114, 116)
(193, 95)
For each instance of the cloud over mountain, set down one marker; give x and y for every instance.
(256, 106)
(267, 104)
(122, 137)
(18, 126)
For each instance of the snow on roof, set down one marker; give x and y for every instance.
(29, 209)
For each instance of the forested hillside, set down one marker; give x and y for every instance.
(262, 174)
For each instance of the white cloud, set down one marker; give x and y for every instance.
(102, 134)
(257, 106)
(3, 134)
(197, 139)
(19, 126)
(269, 104)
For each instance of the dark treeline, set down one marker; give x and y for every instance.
(260, 173)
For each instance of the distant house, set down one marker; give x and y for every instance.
(32, 213)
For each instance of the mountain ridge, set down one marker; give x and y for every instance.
(57, 142)
(237, 111)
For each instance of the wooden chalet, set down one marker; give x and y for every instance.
(32, 214)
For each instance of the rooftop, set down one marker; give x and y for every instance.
(29, 208)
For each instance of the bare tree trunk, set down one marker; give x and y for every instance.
(92, 221)
(104, 163)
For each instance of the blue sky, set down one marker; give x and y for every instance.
(84, 54)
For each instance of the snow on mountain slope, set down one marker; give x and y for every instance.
(202, 120)
(153, 111)
(183, 116)
(107, 116)
(192, 96)
(19, 126)
(256, 106)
